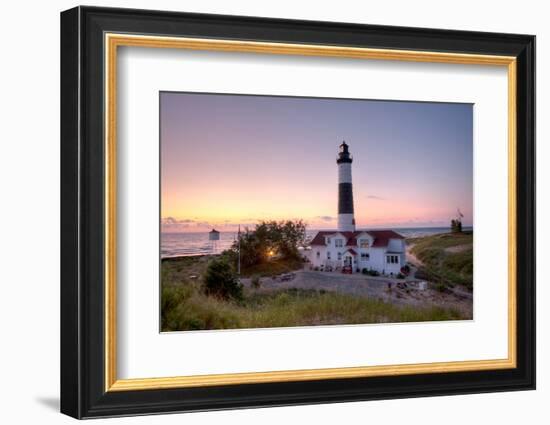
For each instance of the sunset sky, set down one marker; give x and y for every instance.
(230, 159)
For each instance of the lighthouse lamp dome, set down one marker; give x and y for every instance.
(344, 155)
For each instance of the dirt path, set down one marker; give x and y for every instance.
(411, 258)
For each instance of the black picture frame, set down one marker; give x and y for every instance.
(83, 392)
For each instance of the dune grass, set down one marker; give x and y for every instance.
(442, 264)
(183, 267)
(185, 306)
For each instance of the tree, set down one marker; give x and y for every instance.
(287, 237)
(268, 239)
(253, 247)
(456, 226)
(221, 281)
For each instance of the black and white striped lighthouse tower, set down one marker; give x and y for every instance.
(346, 219)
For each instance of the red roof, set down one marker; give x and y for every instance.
(381, 237)
(351, 251)
(319, 238)
(352, 240)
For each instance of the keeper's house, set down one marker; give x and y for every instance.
(380, 250)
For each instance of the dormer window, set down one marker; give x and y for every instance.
(363, 243)
(328, 241)
(338, 243)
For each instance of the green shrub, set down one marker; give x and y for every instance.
(370, 272)
(221, 281)
(440, 287)
(400, 276)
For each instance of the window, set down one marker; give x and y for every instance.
(365, 256)
(338, 243)
(339, 256)
(392, 259)
(328, 241)
(328, 255)
(363, 243)
(318, 254)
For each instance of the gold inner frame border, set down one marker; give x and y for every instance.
(113, 40)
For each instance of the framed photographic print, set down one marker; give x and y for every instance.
(261, 212)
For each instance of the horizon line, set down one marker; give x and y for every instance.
(329, 229)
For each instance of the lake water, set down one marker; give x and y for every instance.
(187, 244)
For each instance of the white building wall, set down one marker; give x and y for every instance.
(317, 255)
(392, 267)
(363, 263)
(396, 245)
(378, 259)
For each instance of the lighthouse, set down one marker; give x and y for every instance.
(348, 249)
(346, 219)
